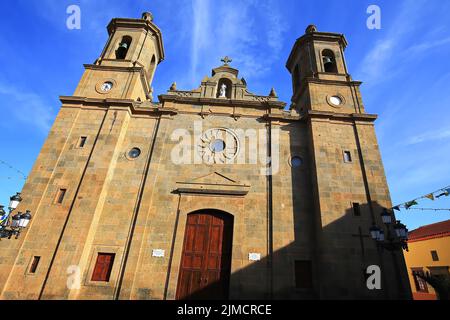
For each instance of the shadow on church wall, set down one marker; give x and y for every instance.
(339, 252)
(342, 276)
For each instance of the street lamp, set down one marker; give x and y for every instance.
(401, 231)
(375, 232)
(386, 217)
(388, 241)
(12, 225)
(14, 201)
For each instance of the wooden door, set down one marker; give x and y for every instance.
(206, 258)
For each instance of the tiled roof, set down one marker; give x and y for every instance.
(435, 230)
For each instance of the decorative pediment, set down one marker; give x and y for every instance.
(223, 85)
(213, 183)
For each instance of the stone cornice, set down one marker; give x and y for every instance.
(335, 82)
(138, 69)
(311, 114)
(137, 109)
(309, 80)
(364, 117)
(213, 189)
(134, 107)
(114, 68)
(221, 102)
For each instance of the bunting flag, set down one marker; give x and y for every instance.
(431, 196)
(410, 204)
(4, 218)
(429, 209)
(445, 193)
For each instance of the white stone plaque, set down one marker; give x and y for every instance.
(158, 253)
(254, 256)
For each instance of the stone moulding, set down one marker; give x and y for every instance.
(227, 102)
(213, 184)
(341, 116)
(133, 107)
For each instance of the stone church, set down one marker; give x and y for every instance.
(213, 193)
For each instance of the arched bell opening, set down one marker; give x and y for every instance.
(124, 46)
(329, 61)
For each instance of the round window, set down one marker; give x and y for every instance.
(335, 100)
(296, 162)
(134, 153)
(217, 145)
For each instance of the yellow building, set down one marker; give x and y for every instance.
(428, 252)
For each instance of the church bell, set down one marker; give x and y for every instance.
(327, 60)
(122, 51)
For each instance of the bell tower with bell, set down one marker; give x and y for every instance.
(320, 77)
(127, 64)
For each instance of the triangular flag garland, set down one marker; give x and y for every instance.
(14, 169)
(410, 204)
(429, 209)
(445, 193)
(431, 196)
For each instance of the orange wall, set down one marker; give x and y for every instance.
(419, 256)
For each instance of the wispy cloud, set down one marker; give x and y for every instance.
(387, 50)
(230, 28)
(374, 61)
(200, 37)
(27, 107)
(428, 45)
(430, 136)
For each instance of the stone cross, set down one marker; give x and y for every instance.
(226, 60)
(361, 237)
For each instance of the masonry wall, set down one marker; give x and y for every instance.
(130, 207)
(345, 247)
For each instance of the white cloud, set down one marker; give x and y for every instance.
(378, 63)
(200, 37)
(242, 30)
(27, 107)
(375, 60)
(430, 136)
(428, 45)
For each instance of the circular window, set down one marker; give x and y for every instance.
(335, 100)
(134, 153)
(107, 86)
(217, 145)
(296, 162)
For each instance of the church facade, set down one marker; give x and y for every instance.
(213, 193)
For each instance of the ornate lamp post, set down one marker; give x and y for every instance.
(397, 241)
(13, 225)
(393, 242)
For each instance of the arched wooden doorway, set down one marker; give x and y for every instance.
(206, 258)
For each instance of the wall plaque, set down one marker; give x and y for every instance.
(254, 256)
(158, 253)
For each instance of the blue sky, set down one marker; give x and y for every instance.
(404, 67)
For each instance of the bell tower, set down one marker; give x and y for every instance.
(127, 64)
(320, 78)
(349, 184)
